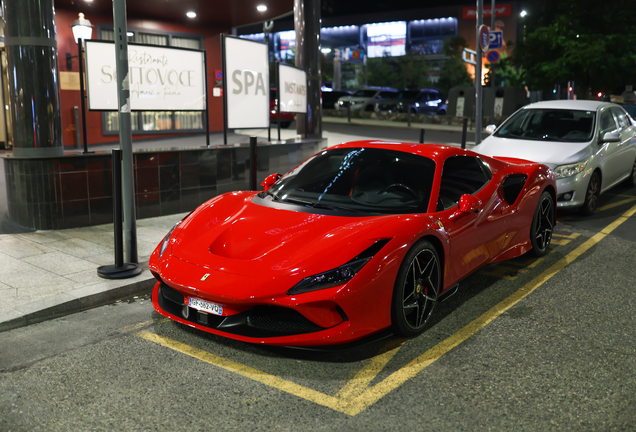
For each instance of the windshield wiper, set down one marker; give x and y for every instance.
(317, 204)
(273, 195)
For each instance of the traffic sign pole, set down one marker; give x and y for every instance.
(483, 40)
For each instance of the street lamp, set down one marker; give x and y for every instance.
(82, 30)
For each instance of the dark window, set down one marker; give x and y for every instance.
(621, 117)
(387, 94)
(607, 123)
(461, 175)
(361, 180)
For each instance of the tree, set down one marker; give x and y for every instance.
(454, 71)
(408, 71)
(590, 42)
(505, 73)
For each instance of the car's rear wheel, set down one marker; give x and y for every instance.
(591, 195)
(542, 225)
(631, 180)
(416, 290)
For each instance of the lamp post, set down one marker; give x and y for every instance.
(82, 30)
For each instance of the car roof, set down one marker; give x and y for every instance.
(437, 152)
(585, 105)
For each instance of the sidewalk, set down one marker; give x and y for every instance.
(48, 274)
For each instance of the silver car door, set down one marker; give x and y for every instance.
(610, 155)
(627, 148)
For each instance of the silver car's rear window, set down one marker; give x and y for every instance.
(549, 125)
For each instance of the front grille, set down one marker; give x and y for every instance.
(260, 321)
(172, 294)
(278, 319)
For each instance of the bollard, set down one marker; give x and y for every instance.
(119, 270)
(464, 128)
(253, 163)
(349, 112)
(422, 136)
(408, 116)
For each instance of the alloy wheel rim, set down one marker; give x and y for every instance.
(545, 226)
(421, 289)
(591, 193)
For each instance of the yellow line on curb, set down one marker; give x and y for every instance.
(357, 395)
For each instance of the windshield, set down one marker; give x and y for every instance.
(411, 94)
(364, 93)
(550, 125)
(360, 180)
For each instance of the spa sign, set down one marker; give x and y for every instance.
(160, 78)
(246, 81)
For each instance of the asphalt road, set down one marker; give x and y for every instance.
(525, 345)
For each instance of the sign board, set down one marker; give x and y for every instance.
(246, 73)
(496, 39)
(493, 56)
(161, 78)
(292, 89)
(504, 9)
(70, 80)
(499, 101)
(459, 112)
(484, 38)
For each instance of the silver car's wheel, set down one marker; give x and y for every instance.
(416, 289)
(591, 194)
(631, 180)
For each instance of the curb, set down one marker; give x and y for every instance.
(67, 303)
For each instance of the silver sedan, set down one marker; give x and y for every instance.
(590, 145)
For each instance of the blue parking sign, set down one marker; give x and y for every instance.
(496, 39)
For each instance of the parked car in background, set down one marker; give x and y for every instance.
(590, 145)
(424, 101)
(330, 98)
(366, 98)
(285, 118)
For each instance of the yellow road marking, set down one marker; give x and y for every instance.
(571, 236)
(355, 397)
(616, 204)
(360, 382)
(560, 242)
(134, 327)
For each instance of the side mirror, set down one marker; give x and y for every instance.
(469, 204)
(490, 129)
(611, 137)
(270, 180)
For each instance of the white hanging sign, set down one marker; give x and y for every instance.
(292, 89)
(160, 78)
(246, 80)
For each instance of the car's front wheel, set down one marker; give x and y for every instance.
(591, 195)
(542, 225)
(631, 180)
(416, 290)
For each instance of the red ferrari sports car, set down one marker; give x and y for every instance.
(360, 238)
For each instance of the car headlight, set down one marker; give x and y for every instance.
(339, 275)
(166, 239)
(569, 170)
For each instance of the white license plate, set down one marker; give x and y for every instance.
(205, 306)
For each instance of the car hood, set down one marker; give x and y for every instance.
(236, 235)
(551, 153)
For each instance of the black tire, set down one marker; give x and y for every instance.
(631, 180)
(542, 225)
(591, 195)
(285, 125)
(416, 289)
